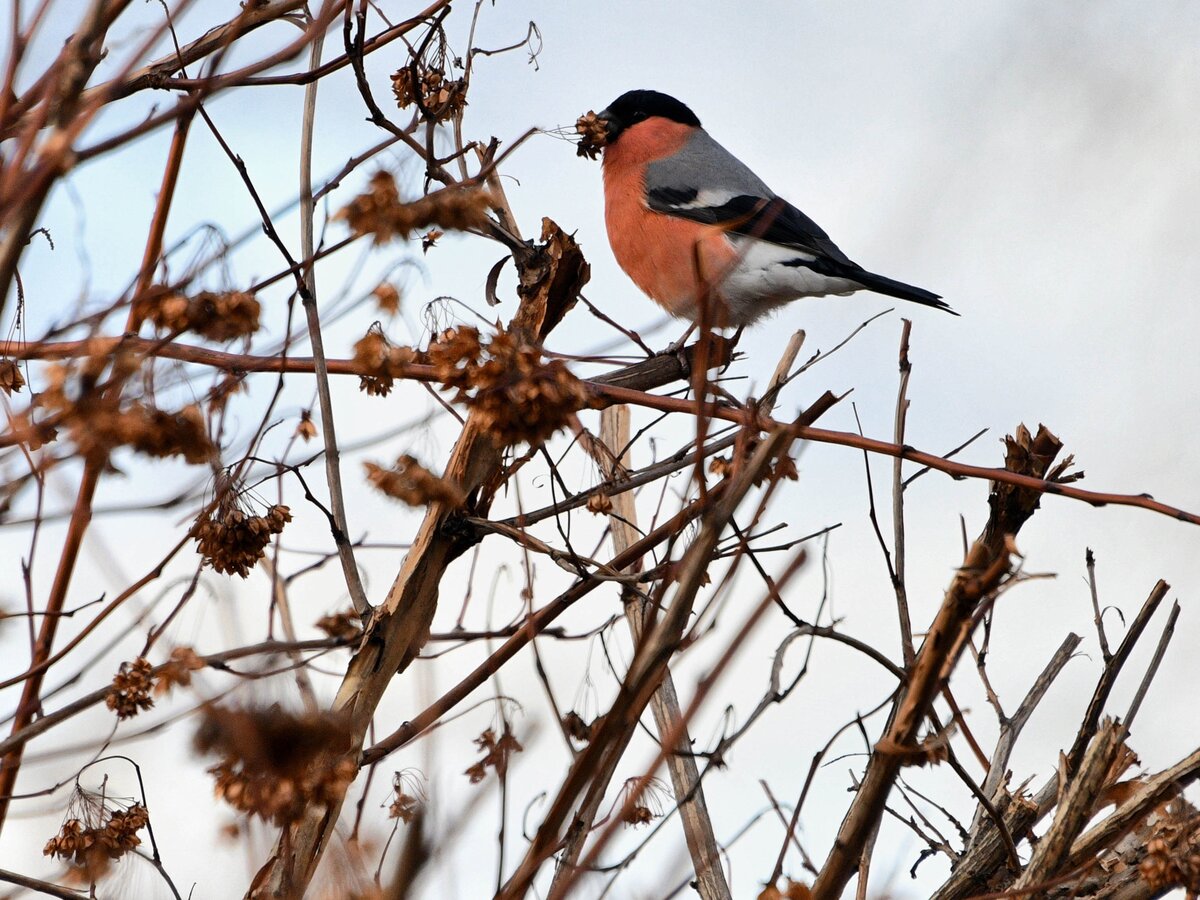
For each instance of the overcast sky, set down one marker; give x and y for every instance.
(1037, 164)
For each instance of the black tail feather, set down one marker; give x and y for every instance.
(881, 285)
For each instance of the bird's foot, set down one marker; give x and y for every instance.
(678, 349)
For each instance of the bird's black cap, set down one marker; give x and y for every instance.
(635, 106)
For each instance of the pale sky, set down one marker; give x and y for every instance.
(1038, 165)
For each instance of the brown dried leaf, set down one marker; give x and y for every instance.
(496, 753)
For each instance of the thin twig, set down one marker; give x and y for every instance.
(898, 582)
(1089, 559)
(333, 476)
(1159, 651)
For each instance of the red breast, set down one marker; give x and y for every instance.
(674, 261)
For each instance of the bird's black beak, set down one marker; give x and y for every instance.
(612, 125)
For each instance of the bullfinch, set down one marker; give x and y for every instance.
(692, 225)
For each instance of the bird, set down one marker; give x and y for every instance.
(701, 234)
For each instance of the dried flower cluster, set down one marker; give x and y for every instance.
(411, 483)
(438, 97)
(131, 687)
(343, 625)
(219, 316)
(379, 362)
(382, 214)
(177, 671)
(92, 845)
(275, 764)
(232, 540)
(505, 381)
(592, 135)
(11, 379)
(496, 752)
(98, 423)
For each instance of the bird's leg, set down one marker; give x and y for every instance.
(676, 349)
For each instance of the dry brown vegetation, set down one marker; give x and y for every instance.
(160, 370)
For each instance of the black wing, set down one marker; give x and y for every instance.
(773, 220)
(778, 222)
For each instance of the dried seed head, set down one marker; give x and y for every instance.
(411, 483)
(379, 362)
(103, 835)
(592, 135)
(11, 380)
(231, 540)
(430, 239)
(404, 87)
(576, 727)
(381, 213)
(792, 890)
(161, 434)
(219, 394)
(506, 383)
(785, 467)
(438, 97)
(219, 316)
(33, 434)
(647, 807)
(1173, 854)
(276, 764)
(131, 689)
(98, 422)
